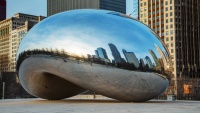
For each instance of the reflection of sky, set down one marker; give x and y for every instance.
(82, 31)
(132, 8)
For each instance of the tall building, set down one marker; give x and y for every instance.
(96, 53)
(131, 58)
(113, 5)
(12, 31)
(56, 6)
(2, 10)
(101, 52)
(142, 64)
(155, 58)
(115, 53)
(163, 57)
(149, 62)
(178, 24)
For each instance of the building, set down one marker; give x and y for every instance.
(142, 63)
(157, 63)
(163, 56)
(101, 52)
(113, 5)
(131, 58)
(2, 10)
(177, 22)
(115, 53)
(56, 6)
(149, 62)
(96, 54)
(12, 30)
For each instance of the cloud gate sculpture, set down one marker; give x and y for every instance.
(98, 50)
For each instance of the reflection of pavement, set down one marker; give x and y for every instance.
(96, 106)
(112, 82)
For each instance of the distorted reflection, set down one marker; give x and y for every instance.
(116, 41)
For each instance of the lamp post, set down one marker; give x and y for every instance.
(3, 92)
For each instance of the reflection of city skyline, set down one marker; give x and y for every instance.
(96, 44)
(91, 63)
(130, 57)
(100, 56)
(163, 56)
(152, 61)
(116, 46)
(115, 53)
(101, 52)
(149, 62)
(154, 57)
(72, 41)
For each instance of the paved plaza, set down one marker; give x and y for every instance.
(96, 106)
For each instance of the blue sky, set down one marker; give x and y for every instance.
(33, 7)
(81, 37)
(39, 7)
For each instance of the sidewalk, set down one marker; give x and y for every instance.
(96, 106)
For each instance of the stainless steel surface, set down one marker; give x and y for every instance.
(103, 51)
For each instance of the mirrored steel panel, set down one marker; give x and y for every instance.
(105, 42)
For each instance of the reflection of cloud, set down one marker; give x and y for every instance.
(83, 33)
(79, 42)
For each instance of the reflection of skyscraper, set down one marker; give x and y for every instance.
(96, 53)
(101, 52)
(149, 62)
(2, 10)
(115, 53)
(163, 57)
(123, 60)
(142, 62)
(131, 58)
(155, 58)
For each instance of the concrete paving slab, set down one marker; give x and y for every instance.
(96, 106)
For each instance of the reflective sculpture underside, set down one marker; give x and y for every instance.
(103, 51)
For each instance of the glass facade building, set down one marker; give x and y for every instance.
(113, 5)
(2, 10)
(149, 62)
(56, 6)
(131, 58)
(115, 53)
(102, 53)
